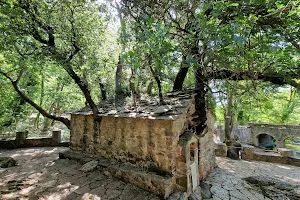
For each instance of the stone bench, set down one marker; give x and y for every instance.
(285, 152)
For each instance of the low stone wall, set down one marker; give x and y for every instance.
(249, 134)
(283, 156)
(22, 141)
(242, 134)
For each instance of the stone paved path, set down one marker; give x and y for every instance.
(227, 181)
(41, 175)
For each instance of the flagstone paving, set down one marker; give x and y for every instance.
(272, 180)
(41, 175)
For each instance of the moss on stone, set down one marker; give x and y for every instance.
(6, 162)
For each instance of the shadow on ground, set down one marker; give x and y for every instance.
(41, 175)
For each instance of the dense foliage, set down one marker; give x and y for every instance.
(242, 57)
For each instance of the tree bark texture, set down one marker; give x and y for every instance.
(119, 74)
(180, 77)
(103, 91)
(229, 120)
(200, 102)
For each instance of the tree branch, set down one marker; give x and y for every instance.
(65, 121)
(83, 88)
(274, 78)
(64, 60)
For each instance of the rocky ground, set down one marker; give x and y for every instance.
(240, 179)
(41, 175)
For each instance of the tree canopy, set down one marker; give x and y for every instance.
(58, 55)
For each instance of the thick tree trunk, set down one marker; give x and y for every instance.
(200, 88)
(119, 74)
(200, 102)
(179, 80)
(233, 146)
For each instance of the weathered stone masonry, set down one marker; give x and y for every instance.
(154, 139)
(278, 132)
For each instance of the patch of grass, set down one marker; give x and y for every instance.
(292, 146)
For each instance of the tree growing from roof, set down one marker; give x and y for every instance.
(241, 40)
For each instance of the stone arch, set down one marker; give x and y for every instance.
(266, 141)
(278, 132)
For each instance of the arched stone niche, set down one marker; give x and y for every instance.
(266, 141)
(188, 165)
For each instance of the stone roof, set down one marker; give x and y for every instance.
(174, 105)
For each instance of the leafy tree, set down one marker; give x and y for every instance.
(211, 44)
(244, 40)
(62, 31)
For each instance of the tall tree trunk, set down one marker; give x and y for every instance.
(200, 89)
(200, 102)
(119, 96)
(179, 80)
(157, 79)
(132, 88)
(37, 119)
(229, 120)
(119, 74)
(47, 122)
(149, 88)
(103, 91)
